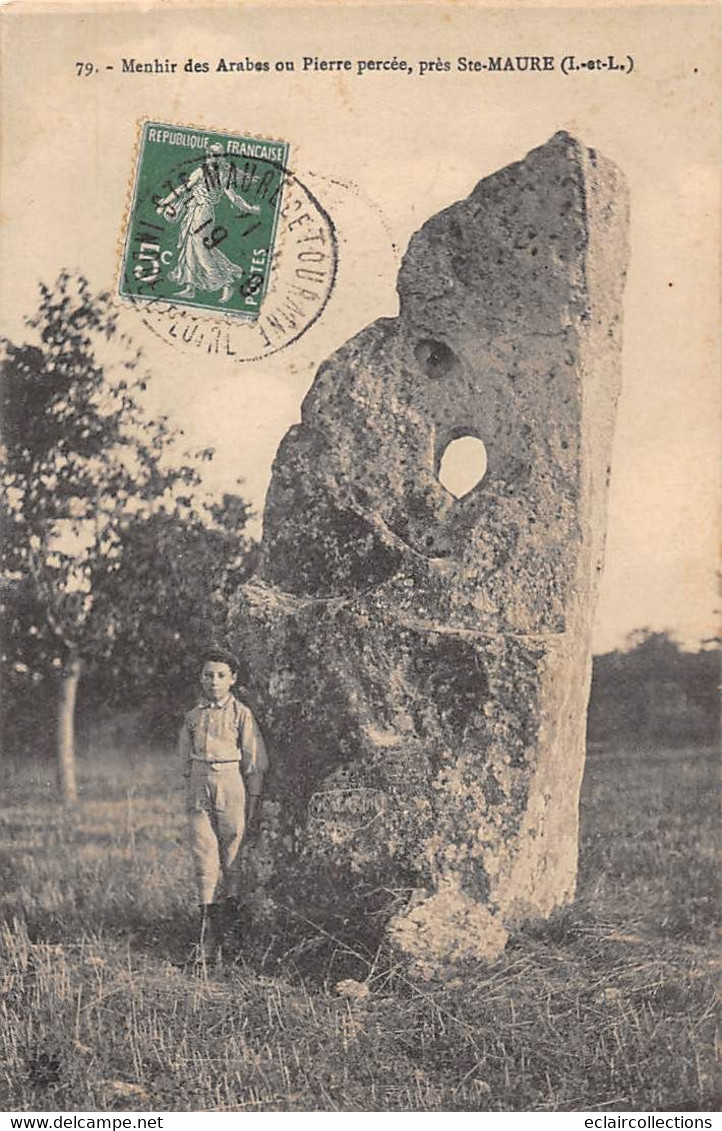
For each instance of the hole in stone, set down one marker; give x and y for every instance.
(463, 465)
(436, 358)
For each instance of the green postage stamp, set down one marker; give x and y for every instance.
(203, 219)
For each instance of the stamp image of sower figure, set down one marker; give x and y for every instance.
(203, 220)
(202, 266)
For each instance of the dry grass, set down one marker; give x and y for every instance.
(611, 1005)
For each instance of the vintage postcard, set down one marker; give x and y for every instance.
(360, 503)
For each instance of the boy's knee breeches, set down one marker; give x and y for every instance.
(216, 804)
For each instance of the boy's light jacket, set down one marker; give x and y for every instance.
(218, 733)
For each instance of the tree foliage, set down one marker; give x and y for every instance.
(167, 600)
(655, 692)
(107, 551)
(81, 462)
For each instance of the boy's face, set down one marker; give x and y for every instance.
(217, 680)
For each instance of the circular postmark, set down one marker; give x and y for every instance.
(226, 250)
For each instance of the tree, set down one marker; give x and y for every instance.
(655, 692)
(83, 465)
(167, 598)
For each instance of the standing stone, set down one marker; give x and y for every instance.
(421, 661)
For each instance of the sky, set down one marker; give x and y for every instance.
(383, 152)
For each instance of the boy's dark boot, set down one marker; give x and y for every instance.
(230, 925)
(218, 929)
(210, 936)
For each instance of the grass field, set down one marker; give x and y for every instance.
(609, 1006)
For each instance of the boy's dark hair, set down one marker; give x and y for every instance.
(215, 655)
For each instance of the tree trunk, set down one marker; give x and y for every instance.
(66, 730)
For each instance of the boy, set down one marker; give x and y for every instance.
(224, 759)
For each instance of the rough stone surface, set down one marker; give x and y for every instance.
(421, 663)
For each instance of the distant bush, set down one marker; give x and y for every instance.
(655, 693)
